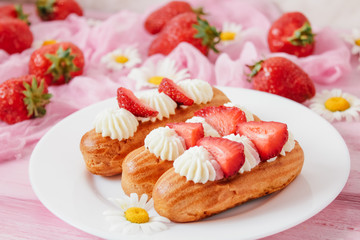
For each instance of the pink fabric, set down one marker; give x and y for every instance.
(187, 56)
(329, 63)
(122, 29)
(74, 29)
(230, 72)
(247, 13)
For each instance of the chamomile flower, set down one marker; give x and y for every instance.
(354, 40)
(336, 105)
(133, 215)
(230, 33)
(152, 74)
(121, 58)
(39, 43)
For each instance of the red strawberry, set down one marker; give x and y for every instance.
(168, 87)
(57, 9)
(229, 154)
(23, 98)
(190, 132)
(57, 63)
(292, 34)
(155, 22)
(15, 35)
(282, 77)
(268, 137)
(186, 27)
(14, 11)
(126, 99)
(223, 119)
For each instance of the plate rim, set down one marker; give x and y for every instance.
(95, 232)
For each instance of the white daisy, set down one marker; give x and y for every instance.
(336, 105)
(151, 75)
(133, 215)
(121, 58)
(230, 33)
(354, 40)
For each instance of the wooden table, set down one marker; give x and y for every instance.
(22, 216)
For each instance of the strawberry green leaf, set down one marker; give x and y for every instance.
(302, 36)
(45, 8)
(254, 69)
(20, 14)
(209, 35)
(62, 64)
(35, 98)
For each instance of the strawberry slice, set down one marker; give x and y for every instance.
(168, 87)
(223, 119)
(190, 132)
(268, 137)
(229, 154)
(126, 99)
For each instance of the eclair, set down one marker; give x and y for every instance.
(119, 131)
(261, 158)
(144, 166)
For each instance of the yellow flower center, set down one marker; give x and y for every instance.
(337, 104)
(137, 215)
(156, 80)
(227, 36)
(357, 41)
(121, 59)
(48, 42)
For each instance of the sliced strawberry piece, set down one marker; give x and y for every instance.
(229, 154)
(223, 119)
(168, 87)
(268, 137)
(191, 132)
(126, 99)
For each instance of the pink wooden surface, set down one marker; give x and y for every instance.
(22, 216)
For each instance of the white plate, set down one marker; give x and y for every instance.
(61, 182)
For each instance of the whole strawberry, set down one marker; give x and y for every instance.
(14, 11)
(23, 98)
(186, 27)
(292, 34)
(155, 22)
(15, 35)
(282, 77)
(57, 9)
(57, 63)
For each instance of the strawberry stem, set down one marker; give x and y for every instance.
(302, 36)
(35, 98)
(62, 64)
(20, 14)
(199, 11)
(45, 8)
(254, 69)
(209, 35)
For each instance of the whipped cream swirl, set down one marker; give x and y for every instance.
(165, 143)
(252, 158)
(249, 116)
(159, 102)
(288, 146)
(116, 123)
(195, 164)
(198, 90)
(209, 131)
